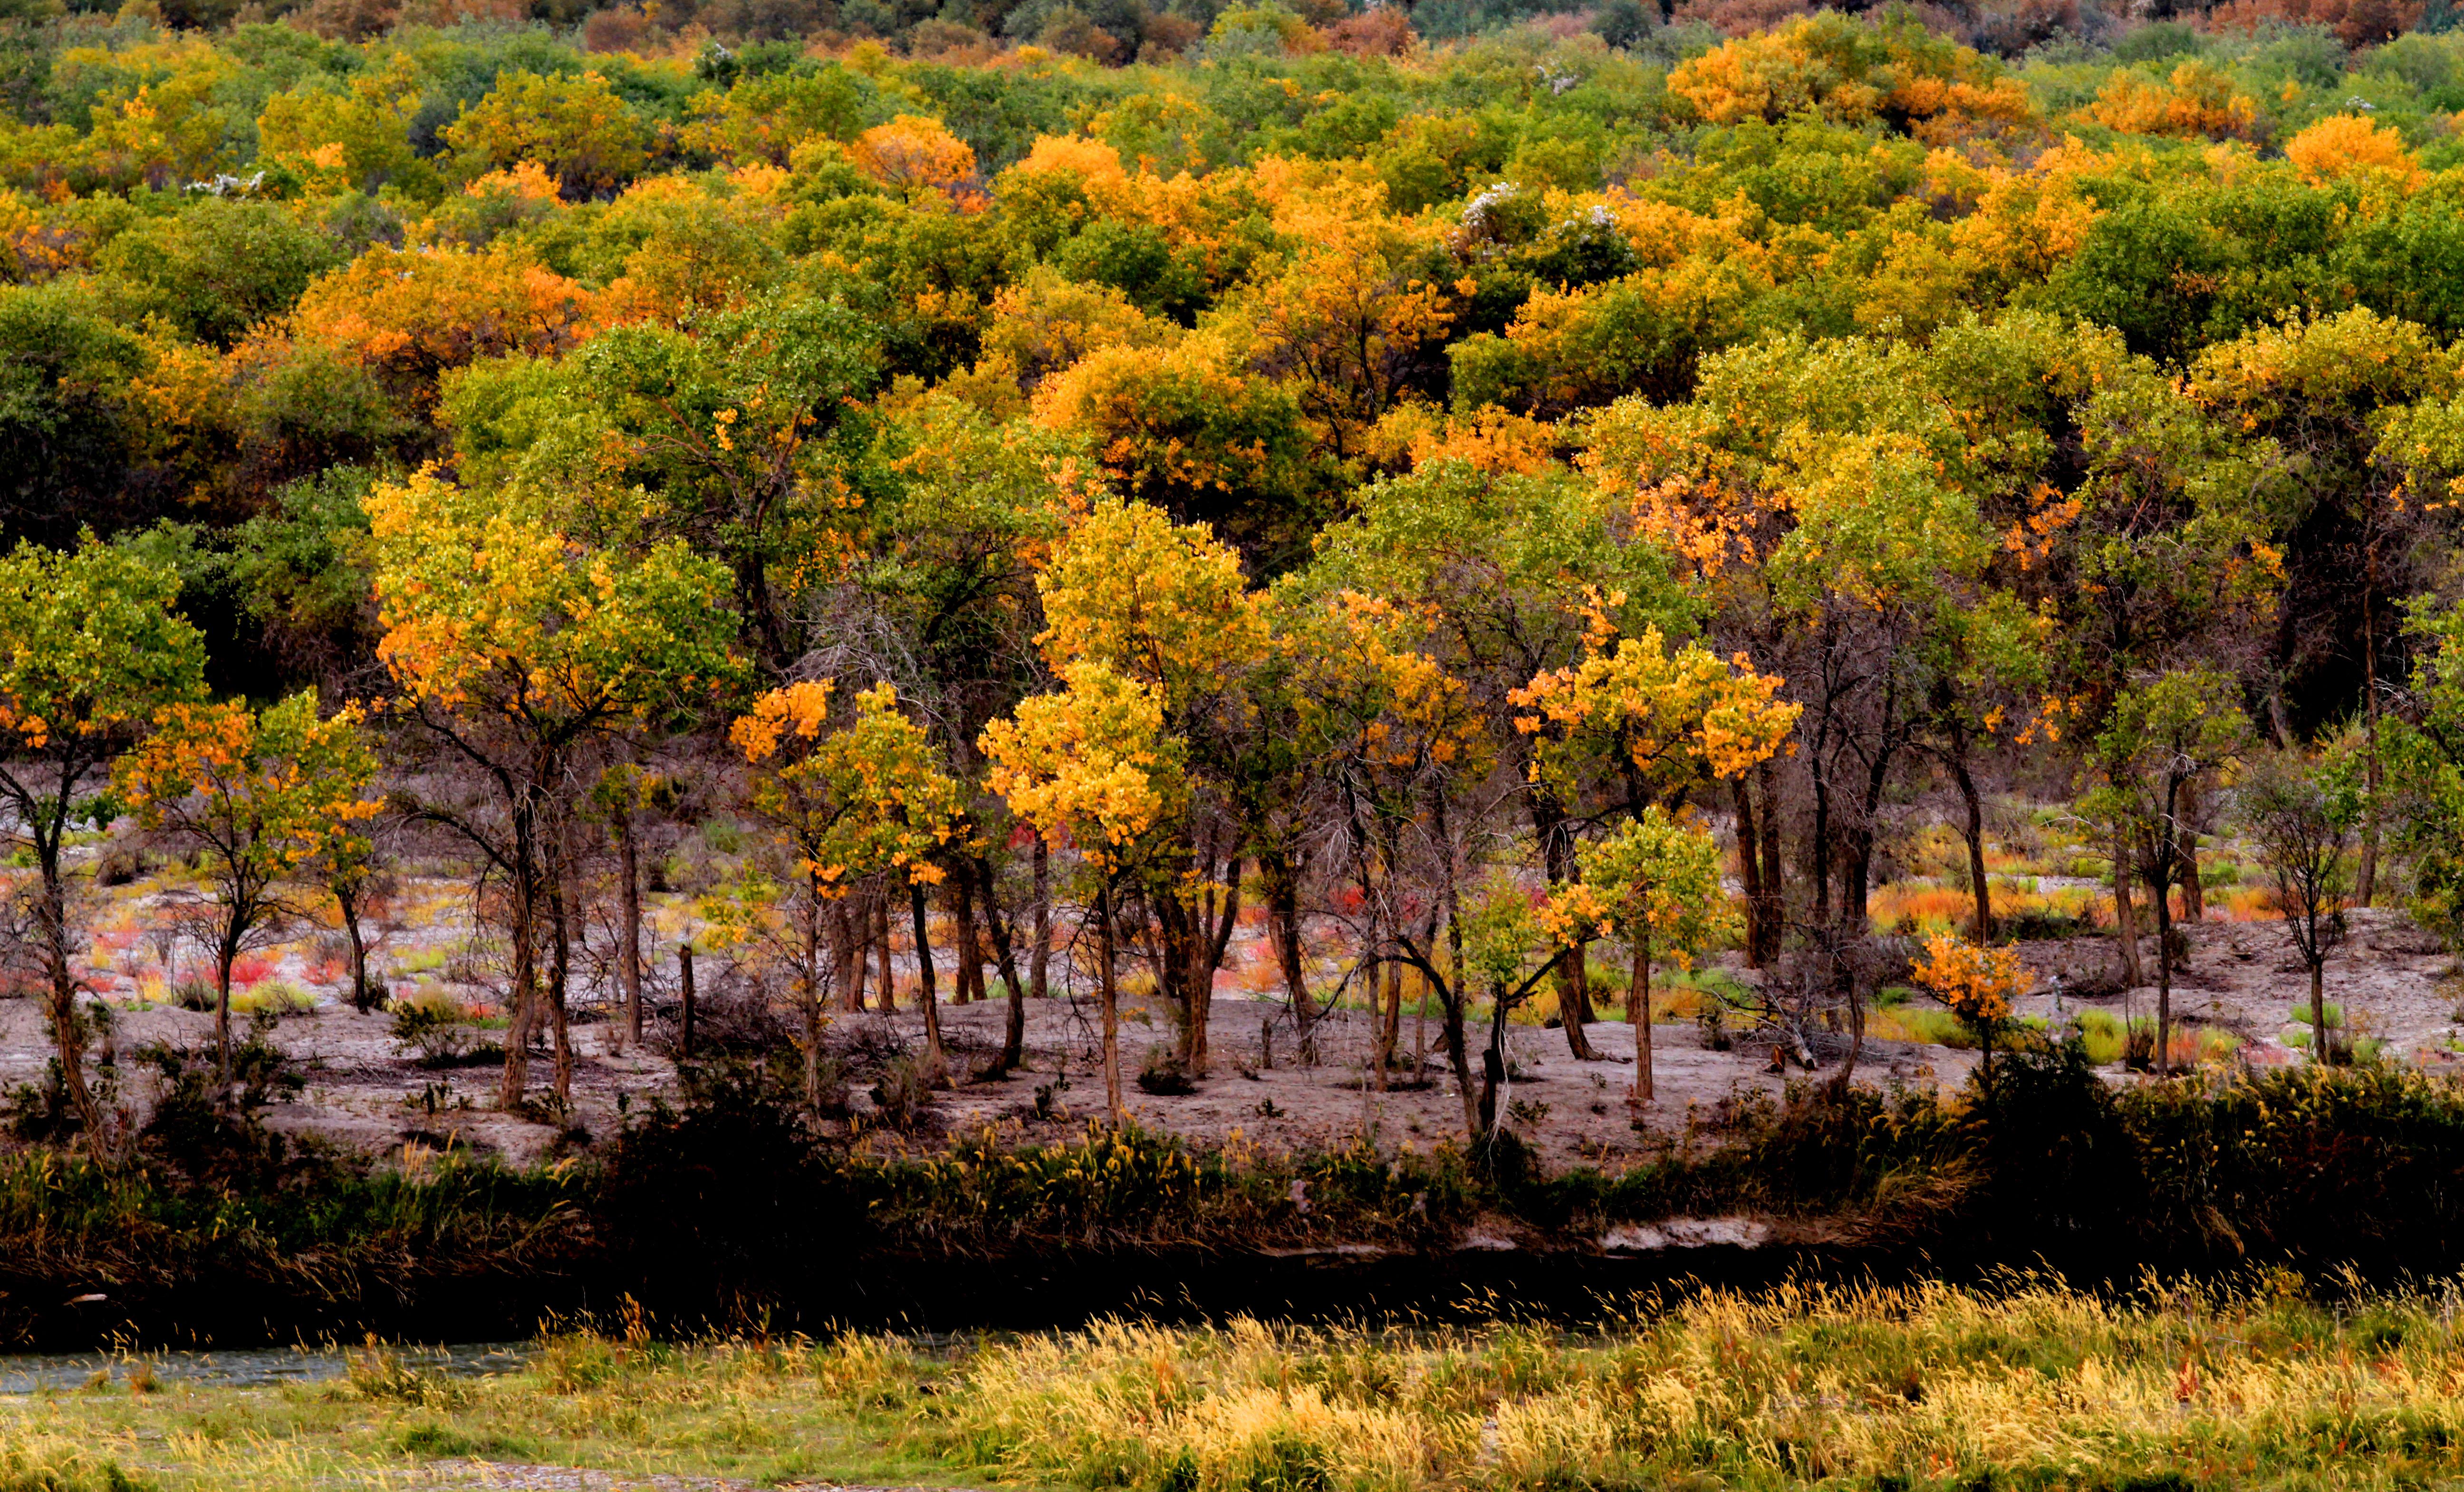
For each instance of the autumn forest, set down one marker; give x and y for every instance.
(1023, 622)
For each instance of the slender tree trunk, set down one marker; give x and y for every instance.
(2125, 917)
(881, 950)
(1775, 889)
(966, 979)
(224, 955)
(1638, 1014)
(810, 977)
(1750, 871)
(1284, 928)
(1390, 1022)
(346, 903)
(2365, 887)
(933, 1053)
(846, 958)
(1450, 994)
(2194, 895)
(629, 971)
(1039, 965)
(1013, 1050)
(560, 978)
(1975, 834)
(68, 1025)
(524, 994)
(2320, 1050)
(685, 993)
(1574, 977)
(2164, 959)
(1107, 995)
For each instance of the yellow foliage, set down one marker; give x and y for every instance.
(914, 155)
(2197, 102)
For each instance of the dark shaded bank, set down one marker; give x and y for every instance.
(726, 1214)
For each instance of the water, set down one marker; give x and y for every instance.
(247, 1368)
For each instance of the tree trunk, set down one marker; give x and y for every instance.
(2125, 917)
(1775, 889)
(2319, 1051)
(2367, 880)
(523, 994)
(1750, 871)
(932, 1054)
(1450, 993)
(810, 978)
(1013, 1050)
(846, 958)
(1638, 1014)
(685, 993)
(1108, 998)
(1574, 979)
(1390, 1022)
(68, 1026)
(560, 979)
(1284, 928)
(1040, 965)
(967, 977)
(224, 954)
(346, 903)
(629, 971)
(2194, 895)
(881, 950)
(1969, 798)
(2164, 980)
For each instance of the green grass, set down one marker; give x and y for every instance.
(2300, 1016)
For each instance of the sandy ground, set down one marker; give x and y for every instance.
(363, 1090)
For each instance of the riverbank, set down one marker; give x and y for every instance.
(2270, 1380)
(731, 1213)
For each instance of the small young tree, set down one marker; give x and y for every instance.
(264, 795)
(2163, 735)
(2303, 815)
(1655, 883)
(1092, 765)
(89, 650)
(868, 798)
(1979, 984)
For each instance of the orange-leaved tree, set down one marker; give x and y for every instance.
(514, 640)
(866, 797)
(265, 796)
(1979, 984)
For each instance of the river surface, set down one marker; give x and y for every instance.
(247, 1367)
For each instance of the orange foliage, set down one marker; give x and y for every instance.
(1846, 71)
(920, 155)
(414, 314)
(2196, 102)
(2344, 145)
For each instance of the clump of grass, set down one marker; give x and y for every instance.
(2300, 1016)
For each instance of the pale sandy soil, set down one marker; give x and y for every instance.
(363, 1091)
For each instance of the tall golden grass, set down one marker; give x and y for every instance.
(2033, 1383)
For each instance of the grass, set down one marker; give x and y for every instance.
(2025, 1382)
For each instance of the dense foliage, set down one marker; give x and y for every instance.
(1430, 493)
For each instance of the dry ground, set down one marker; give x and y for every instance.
(363, 1091)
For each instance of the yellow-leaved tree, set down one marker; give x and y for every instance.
(1164, 608)
(266, 797)
(1092, 765)
(1654, 883)
(89, 650)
